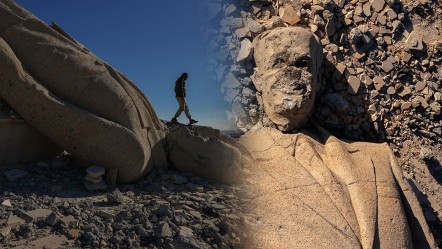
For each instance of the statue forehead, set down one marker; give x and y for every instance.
(282, 40)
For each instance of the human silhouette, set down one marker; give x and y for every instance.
(180, 94)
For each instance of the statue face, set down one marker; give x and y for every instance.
(287, 60)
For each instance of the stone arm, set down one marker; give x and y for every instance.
(75, 99)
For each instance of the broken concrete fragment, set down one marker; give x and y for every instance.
(245, 52)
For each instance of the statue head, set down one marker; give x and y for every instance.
(286, 74)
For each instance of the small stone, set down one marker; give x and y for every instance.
(245, 52)
(354, 84)
(5, 231)
(391, 14)
(382, 19)
(273, 22)
(378, 5)
(367, 9)
(95, 171)
(437, 96)
(73, 233)
(115, 196)
(420, 86)
(255, 27)
(39, 214)
(106, 215)
(406, 105)
(405, 91)
(52, 219)
(69, 221)
(288, 14)
(15, 174)
(387, 65)
(185, 232)
(162, 230)
(242, 32)
(230, 9)
(7, 203)
(414, 42)
(378, 82)
(95, 186)
(418, 100)
(391, 90)
(14, 221)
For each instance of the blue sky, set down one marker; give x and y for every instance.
(151, 42)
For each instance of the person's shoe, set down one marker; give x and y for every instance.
(192, 121)
(174, 121)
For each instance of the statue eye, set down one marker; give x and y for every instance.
(302, 62)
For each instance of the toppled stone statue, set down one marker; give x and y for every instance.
(74, 98)
(312, 190)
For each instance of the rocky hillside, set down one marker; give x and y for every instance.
(381, 79)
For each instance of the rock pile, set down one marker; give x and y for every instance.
(166, 209)
(382, 75)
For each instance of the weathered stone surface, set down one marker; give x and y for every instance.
(331, 195)
(288, 100)
(191, 150)
(90, 108)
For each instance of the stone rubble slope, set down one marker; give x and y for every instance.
(381, 79)
(47, 206)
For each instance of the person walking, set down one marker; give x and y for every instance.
(180, 94)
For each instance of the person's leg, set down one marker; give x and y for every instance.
(186, 110)
(180, 107)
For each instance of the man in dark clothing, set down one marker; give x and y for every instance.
(180, 94)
